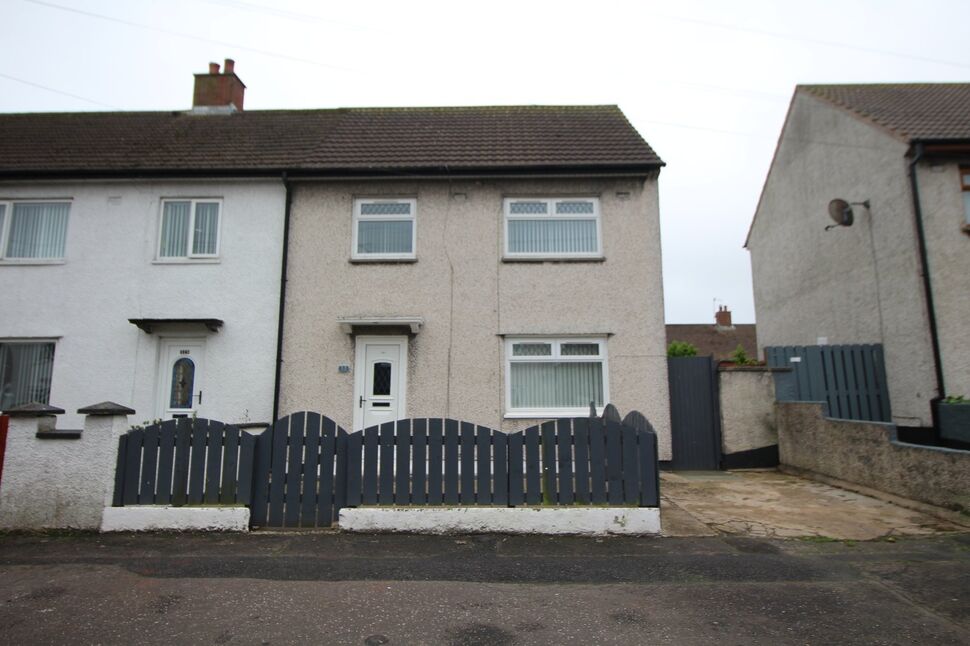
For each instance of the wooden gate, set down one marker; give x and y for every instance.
(694, 413)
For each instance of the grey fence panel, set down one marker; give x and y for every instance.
(564, 444)
(435, 446)
(581, 464)
(419, 462)
(184, 462)
(597, 461)
(849, 379)
(402, 463)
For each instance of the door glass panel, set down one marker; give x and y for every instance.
(183, 378)
(382, 378)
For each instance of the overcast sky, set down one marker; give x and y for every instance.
(706, 83)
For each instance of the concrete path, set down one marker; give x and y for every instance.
(772, 504)
(483, 590)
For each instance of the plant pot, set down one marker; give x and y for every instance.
(955, 422)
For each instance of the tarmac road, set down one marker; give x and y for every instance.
(329, 588)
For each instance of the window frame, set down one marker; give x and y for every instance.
(8, 205)
(44, 340)
(552, 215)
(358, 217)
(556, 357)
(189, 257)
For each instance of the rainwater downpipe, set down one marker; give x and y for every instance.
(927, 285)
(287, 187)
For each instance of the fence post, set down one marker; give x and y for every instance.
(4, 422)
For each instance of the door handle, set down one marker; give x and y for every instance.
(361, 403)
(200, 396)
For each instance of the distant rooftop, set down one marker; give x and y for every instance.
(911, 111)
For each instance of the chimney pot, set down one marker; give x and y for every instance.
(214, 90)
(723, 317)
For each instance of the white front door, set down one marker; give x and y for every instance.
(381, 380)
(180, 372)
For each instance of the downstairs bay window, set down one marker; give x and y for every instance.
(555, 377)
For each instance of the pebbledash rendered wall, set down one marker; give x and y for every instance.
(749, 435)
(470, 298)
(109, 275)
(858, 284)
(948, 248)
(869, 454)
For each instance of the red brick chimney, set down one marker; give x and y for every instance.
(722, 318)
(215, 90)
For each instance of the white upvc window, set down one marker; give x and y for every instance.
(555, 377)
(189, 229)
(553, 228)
(26, 367)
(33, 231)
(384, 229)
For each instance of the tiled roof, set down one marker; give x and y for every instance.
(345, 140)
(712, 340)
(912, 111)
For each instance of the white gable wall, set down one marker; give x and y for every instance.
(809, 283)
(108, 276)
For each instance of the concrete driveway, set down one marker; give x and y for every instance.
(775, 505)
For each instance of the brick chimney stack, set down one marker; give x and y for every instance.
(215, 92)
(722, 318)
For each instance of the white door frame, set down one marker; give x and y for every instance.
(360, 373)
(164, 372)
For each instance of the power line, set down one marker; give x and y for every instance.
(284, 13)
(179, 34)
(56, 91)
(806, 39)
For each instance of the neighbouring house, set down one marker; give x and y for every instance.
(897, 271)
(494, 264)
(718, 340)
(140, 256)
(498, 264)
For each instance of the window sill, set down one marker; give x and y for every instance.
(551, 414)
(29, 261)
(554, 259)
(188, 261)
(382, 261)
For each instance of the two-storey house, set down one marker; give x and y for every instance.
(897, 272)
(499, 264)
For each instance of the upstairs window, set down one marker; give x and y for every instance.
(555, 377)
(189, 229)
(33, 230)
(384, 229)
(25, 372)
(552, 228)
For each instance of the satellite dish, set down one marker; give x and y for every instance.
(841, 212)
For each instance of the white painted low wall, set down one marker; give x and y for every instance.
(587, 521)
(62, 483)
(146, 518)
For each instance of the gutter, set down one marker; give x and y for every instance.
(279, 334)
(918, 151)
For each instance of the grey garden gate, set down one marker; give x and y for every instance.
(694, 413)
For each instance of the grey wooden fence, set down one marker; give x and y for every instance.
(184, 462)
(308, 468)
(850, 379)
(305, 468)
